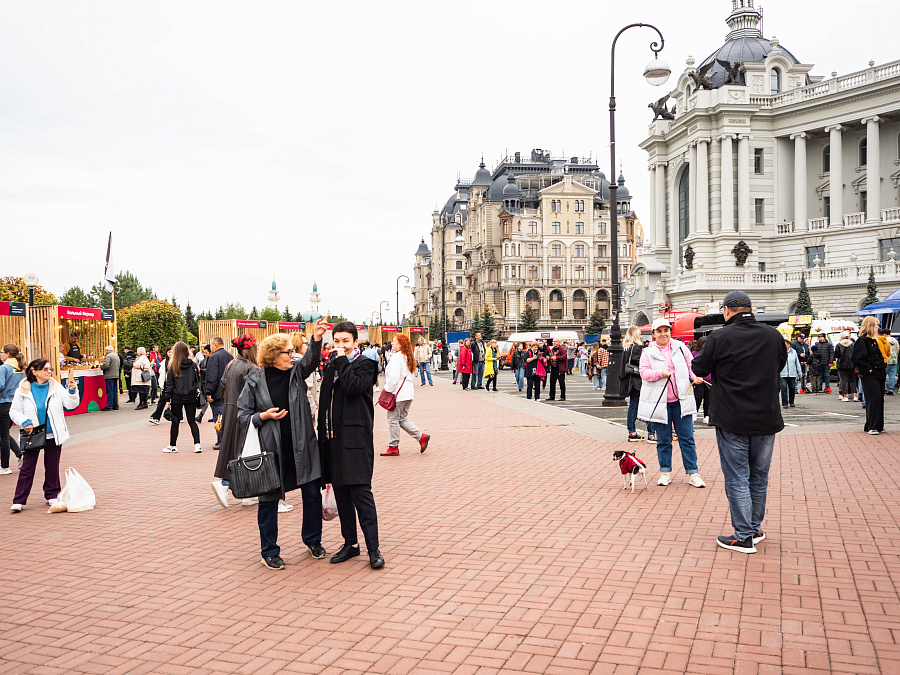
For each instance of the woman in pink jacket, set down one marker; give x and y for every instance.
(465, 367)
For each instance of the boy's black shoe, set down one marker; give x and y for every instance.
(273, 562)
(376, 561)
(347, 551)
(735, 544)
(758, 537)
(316, 551)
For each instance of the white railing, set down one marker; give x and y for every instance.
(854, 219)
(890, 214)
(885, 272)
(784, 228)
(886, 71)
(818, 223)
(851, 81)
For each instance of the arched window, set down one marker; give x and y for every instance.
(602, 296)
(775, 81)
(826, 159)
(579, 296)
(533, 297)
(684, 207)
(864, 152)
(459, 316)
(555, 296)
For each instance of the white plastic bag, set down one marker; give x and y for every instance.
(329, 505)
(77, 495)
(251, 442)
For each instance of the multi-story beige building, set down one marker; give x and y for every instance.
(533, 232)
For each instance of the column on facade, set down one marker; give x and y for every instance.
(660, 191)
(743, 183)
(801, 192)
(702, 184)
(727, 182)
(692, 187)
(650, 234)
(873, 169)
(836, 174)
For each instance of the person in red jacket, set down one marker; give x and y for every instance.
(466, 365)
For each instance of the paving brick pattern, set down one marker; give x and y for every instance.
(510, 547)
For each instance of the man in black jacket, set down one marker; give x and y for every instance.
(127, 361)
(477, 362)
(822, 360)
(215, 368)
(745, 358)
(346, 442)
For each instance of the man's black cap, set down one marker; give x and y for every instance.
(736, 299)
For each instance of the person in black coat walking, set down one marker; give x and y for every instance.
(346, 441)
(870, 363)
(180, 393)
(127, 361)
(745, 358)
(215, 369)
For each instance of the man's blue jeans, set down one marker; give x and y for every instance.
(520, 378)
(217, 406)
(311, 528)
(477, 374)
(112, 394)
(745, 463)
(684, 427)
(633, 399)
(825, 377)
(425, 369)
(603, 378)
(891, 376)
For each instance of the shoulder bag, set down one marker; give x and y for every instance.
(146, 375)
(254, 475)
(387, 399)
(34, 441)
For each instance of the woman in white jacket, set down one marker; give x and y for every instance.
(666, 374)
(39, 399)
(398, 376)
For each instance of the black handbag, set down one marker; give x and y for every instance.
(34, 441)
(254, 475)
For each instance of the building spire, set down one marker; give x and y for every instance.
(743, 21)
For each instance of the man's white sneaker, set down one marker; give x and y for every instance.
(15, 508)
(153, 420)
(872, 432)
(706, 420)
(197, 448)
(284, 507)
(221, 492)
(170, 449)
(664, 479)
(696, 481)
(250, 502)
(6, 471)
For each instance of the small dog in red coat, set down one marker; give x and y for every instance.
(630, 464)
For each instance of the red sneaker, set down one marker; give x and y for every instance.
(391, 451)
(423, 442)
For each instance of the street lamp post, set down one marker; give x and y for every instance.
(445, 350)
(388, 308)
(402, 276)
(656, 73)
(373, 318)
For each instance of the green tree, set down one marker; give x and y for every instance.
(269, 314)
(597, 323)
(175, 303)
(286, 314)
(488, 326)
(191, 321)
(13, 289)
(871, 288)
(220, 314)
(129, 291)
(529, 320)
(204, 316)
(77, 297)
(234, 311)
(434, 328)
(150, 322)
(804, 304)
(475, 326)
(254, 314)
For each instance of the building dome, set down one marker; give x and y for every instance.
(743, 44)
(622, 192)
(273, 284)
(423, 248)
(511, 189)
(315, 287)
(482, 176)
(603, 192)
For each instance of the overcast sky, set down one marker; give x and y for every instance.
(225, 143)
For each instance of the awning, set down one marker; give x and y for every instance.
(883, 307)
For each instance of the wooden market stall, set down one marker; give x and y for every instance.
(229, 329)
(50, 329)
(13, 323)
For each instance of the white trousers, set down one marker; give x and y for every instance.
(397, 419)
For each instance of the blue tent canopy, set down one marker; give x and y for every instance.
(889, 305)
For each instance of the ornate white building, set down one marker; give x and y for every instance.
(274, 296)
(533, 232)
(770, 176)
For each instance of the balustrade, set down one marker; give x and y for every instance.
(818, 223)
(854, 219)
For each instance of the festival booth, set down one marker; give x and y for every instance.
(13, 325)
(51, 326)
(231, 328)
